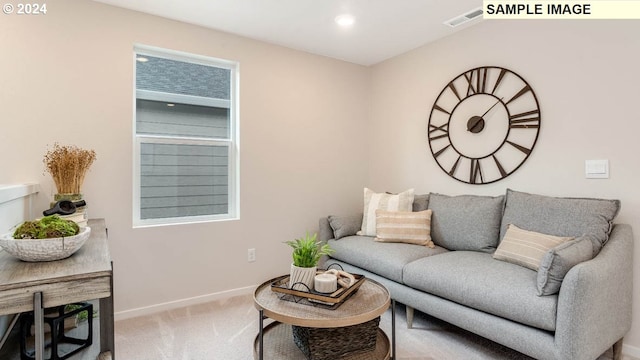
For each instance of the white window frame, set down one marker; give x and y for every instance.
(232, 142)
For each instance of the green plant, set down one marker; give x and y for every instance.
(308, 250)
(82, 315)
(47, 227)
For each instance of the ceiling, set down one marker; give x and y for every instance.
(382, 28)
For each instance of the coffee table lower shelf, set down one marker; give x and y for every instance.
(278, 344)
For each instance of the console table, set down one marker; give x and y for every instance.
(85, 275)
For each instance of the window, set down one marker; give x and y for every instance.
(186, 138)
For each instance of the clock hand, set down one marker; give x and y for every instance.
(476, 123)
(492, 106)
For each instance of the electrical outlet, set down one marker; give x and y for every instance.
(251, 255)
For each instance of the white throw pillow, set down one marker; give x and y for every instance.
(383, 201)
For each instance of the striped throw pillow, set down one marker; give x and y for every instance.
(526, 248)
(404, 226)
(383, 201)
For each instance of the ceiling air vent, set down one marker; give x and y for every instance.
(459, 20)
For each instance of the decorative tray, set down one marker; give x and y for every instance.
(330, 301)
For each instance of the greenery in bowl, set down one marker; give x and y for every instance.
(308, 250)
(47, 227)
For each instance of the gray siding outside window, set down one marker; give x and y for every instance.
(180, 173)
(183, 180)
(156, 118)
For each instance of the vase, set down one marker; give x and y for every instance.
(301, 278)
(71, 197)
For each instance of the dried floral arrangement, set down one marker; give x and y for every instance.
(68, 165)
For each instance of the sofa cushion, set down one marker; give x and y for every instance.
(421, 202)
(404, 226)
(526, 248)
(345, 225)
(560, 216)
(466, 222)
(557, 262)
(384, 259)
(374, 201)
(477, 280)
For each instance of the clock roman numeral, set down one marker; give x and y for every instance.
(455, 92)
(500, 168)
(520, 147)
(477, 77)
(523, 91)
(439, 152)
(502, 73)
(442, 128)
(476, 172)
(455, 166)
(437, 107)
(523, 121)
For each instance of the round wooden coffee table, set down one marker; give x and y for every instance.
(370, 301)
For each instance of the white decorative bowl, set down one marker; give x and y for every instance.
(44, 249)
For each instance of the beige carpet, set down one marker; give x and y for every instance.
(226, 329)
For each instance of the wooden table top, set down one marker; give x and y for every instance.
(370, 301)
(91, 260)
(85, 274)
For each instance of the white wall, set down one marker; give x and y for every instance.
(68, 77)
(586, 78)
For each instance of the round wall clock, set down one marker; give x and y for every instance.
(484, 125)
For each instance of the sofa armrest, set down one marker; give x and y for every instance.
(325, 232)
(594, 303)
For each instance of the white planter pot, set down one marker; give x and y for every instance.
(301, 275)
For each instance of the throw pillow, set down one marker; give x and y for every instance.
(421, 202)
(526, 248)
(466, 222)
(345, 225)
(404, 226)
(557, 262)
(561, 216)
(390, 202)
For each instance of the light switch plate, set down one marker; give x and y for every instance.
(596, 169)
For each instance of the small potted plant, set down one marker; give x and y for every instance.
(307, 251)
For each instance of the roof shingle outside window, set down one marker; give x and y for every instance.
(177, 77)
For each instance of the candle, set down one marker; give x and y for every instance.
(325, 283)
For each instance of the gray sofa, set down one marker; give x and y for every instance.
(459, 280)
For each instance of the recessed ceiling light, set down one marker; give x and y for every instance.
(171, 105)
(345, 20)
(142, 59)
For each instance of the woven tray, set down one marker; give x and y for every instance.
(331, 301)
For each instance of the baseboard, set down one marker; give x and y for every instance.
(631, 351)
(148, 310)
